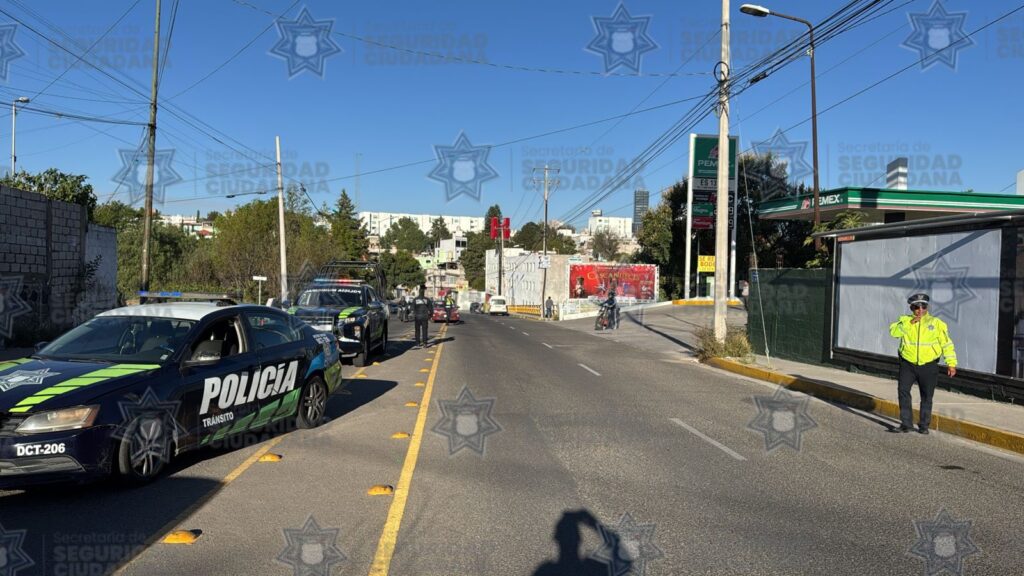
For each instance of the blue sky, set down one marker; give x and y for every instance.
(961, 126)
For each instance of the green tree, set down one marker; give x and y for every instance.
(605, 245)
(402, 268)
(438, 231)
(116, 215)
(531, 237)
(296, 201)
(845, 220)
(348, 235)
(655, 237)
(169, 247)
(212, 215)
(55, 185)
(246, 245)
(406, 235)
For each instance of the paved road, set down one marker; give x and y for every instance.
(588, 446)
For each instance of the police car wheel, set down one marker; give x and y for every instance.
(312, 405)
(144, 450)
(364, 356)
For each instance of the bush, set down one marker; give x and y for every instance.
(736, 344)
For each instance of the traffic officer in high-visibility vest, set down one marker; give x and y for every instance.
(923, 340)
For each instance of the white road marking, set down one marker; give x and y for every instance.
(548, 345)
(589, 369)
(709, 440)
(525, 334)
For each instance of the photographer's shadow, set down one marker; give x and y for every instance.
(569, 538)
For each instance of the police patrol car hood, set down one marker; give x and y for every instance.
(28, 385)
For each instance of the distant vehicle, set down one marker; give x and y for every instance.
(129, 390)
(349, 309)
(441, 313)
(497, 306)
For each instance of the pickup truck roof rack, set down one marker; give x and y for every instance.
(222, 299)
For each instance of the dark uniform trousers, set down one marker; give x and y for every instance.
(421, 329)
(927, 377)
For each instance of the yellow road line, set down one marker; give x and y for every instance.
(185, 514)
(389, 536)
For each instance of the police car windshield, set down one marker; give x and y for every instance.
(121, 339)
(331, 296)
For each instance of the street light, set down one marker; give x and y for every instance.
(761, 12)
(14, 116)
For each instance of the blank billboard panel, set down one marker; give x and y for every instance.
(960, 271)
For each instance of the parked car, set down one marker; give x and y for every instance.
(129, 390)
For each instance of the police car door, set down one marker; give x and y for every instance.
(218, 372)
(376, 316)
(284, 358)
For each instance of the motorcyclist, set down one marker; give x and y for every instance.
(612, 306)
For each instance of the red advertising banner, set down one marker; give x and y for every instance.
(630, 281)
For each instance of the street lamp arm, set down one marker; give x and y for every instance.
(793, 18)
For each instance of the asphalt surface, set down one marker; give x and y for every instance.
(588, 445)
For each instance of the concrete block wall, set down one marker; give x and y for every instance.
(44, 244)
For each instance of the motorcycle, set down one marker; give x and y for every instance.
(604, 318)
(403, 312)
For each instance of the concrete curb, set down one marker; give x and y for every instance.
(995, 437)
(694, 302)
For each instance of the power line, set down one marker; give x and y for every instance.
(479, 62)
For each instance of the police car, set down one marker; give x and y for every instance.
(134, 387)
(351, 310)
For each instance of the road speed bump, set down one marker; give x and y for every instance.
(400, 435)
(412, 404)
(381, 490)
(182, 537)
(360, 375)
(375, 363)
(428, 359)
(421, 384)
(268, 457)
(424, 370)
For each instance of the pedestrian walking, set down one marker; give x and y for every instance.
(923, 340)
(421, 310)
(549, 307)
(744, 292)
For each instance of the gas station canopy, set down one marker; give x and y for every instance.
(883, 205)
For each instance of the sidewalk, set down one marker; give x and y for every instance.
(672, 330)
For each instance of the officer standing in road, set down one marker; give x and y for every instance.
(421, 309)
(549, 308)
(923, 339)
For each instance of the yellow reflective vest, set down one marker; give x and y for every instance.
(925, 341)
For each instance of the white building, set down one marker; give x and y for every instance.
(450, 250)
(192, 225)
(380, 222)
(621, 227)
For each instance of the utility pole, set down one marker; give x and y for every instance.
(544, 230)
(722, 199)
(280, 223)
(147, 217)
